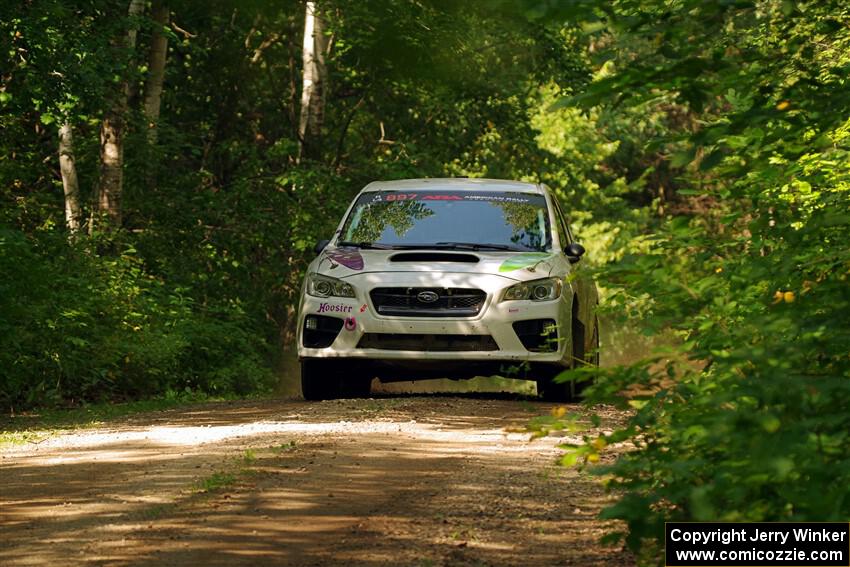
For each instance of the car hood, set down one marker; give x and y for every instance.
(345, 262)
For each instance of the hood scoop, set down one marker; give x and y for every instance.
(434, 257)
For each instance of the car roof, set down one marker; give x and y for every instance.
(455, 184)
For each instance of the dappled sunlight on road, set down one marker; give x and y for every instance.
(189, 436)
(375, 482)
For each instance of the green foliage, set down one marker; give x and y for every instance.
(215, 482)
(744, 417)
(76, 326)
(60, 64)
(198, 288)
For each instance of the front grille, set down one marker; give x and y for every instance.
(408, 301)
(424, 343)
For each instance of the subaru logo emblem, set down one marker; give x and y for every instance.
(427, 296)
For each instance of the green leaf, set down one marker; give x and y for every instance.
(711, 160)
(681, 159)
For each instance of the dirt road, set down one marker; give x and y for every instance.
(397, 480)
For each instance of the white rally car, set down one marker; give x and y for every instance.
(449, 278)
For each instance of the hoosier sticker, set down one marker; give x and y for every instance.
(334, 308)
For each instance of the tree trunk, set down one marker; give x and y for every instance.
(313, 84)
(156, 68)
(68, 167)
(112, 139)
(111, 166)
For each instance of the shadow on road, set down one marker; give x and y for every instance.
(400, 479)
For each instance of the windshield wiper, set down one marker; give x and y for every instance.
(365, 245)
(478, 246)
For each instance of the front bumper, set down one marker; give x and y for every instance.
(496, 319)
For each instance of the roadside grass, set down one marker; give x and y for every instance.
(235, 470)
(37, 425)
(285, 447)
(8, 438)
(240, 468)
(216, 481)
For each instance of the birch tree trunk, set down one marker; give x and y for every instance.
(312, 84)
(156, 68)
(68, 168)
(112, 139)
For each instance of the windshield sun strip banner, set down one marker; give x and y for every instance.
(492, 196)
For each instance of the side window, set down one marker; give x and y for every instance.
(559, 227)
(569, 232)
(563, 227)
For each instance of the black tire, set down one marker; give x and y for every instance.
(594, 358)
(332, 379)
(552, 391)
(571, 391)
(314, 381)
(355, 386)
(578, 343)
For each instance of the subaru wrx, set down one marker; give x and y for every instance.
(447, 278)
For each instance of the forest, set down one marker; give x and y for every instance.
(166, 167)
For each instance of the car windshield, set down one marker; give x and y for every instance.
(477, 220)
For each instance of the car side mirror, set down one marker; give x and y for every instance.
(574, 252)
(320, 245)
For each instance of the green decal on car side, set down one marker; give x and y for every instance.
(523, 261)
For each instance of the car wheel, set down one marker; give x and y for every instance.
(571, 391)
(357, 385)
(594, 358)
(552, 391)
(314, 380)
(580, 356)
(332, 379)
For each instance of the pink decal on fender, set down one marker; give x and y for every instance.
(348, 257)
(363, 308)
(350, 323)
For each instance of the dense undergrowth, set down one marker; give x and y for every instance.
(78, 326)
(744, 416)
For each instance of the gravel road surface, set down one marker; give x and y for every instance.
(396, 480)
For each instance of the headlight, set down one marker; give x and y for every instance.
(537, 290)
(324, 286)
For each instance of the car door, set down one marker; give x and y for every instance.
(582, 282)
